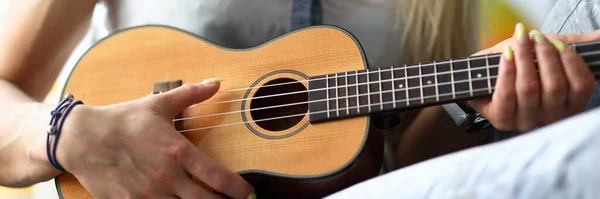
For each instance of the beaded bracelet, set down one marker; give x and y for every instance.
(54, 128)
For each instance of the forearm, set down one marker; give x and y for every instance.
(23, 131)
(37, 38)
(421, 140)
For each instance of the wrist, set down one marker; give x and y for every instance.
(34, 167)
(74, 124)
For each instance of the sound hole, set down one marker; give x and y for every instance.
(265, 99)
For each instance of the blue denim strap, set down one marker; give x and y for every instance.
(306, 13)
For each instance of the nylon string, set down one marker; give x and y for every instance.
(369, 82)
(324, 111)
(344, 86)
(407, 67)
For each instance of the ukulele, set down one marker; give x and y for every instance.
(291, 116)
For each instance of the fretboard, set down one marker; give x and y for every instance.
(357, 93)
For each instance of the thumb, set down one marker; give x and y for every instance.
(174, 101)
(480, 104)
(576, 38)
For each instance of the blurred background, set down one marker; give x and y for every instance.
(498, 20)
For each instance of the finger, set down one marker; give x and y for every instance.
(553, 79)
(501, 109)
(505, 97)
(173, 102)
(570, 38)
(188, 189)
(214, 175)
(580, 78)
(527, 83)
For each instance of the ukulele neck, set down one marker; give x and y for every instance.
(358, 93)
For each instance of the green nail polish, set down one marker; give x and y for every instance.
(560, 46)
(520, 32)
(252, 196)
(508, 54)
(537, 36)
(211, 81)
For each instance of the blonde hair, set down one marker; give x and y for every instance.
(438, 29)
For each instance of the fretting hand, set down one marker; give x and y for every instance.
(131, 150)
(525, 98)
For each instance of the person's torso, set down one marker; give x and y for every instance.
(243, 23)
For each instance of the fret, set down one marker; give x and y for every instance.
(421, 83)
(357, 93)
(393, 86)
(414, 84)
(487, 67)
(493, 61)
(337, 109)
(437, 92)
(368, 74)
(375, 91)
(347, 104)
(352, 92)
(462, 83)
(429, 89)
(444, 80)
(587, 48)
(589, 53)
(399, 85)
(318, 107)
(363, 92)
(342, 95)
(387, 89)
(332, 96)
(452, 79)
(380, 89)
(327, 97)
(406, 88)
(470, 79)
(479, 76)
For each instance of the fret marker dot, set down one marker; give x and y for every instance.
(401, 86)
(428, 81)
(478, 75)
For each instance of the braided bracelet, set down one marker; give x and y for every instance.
(54, 128)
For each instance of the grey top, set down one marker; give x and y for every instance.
(575, 17)
(244, 23)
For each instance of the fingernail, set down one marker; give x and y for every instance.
(520, 32)
(252, 196)
(212, 81)
(508, 54)
(537, 36)
(560, 46)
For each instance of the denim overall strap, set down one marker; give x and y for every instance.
(306, 13)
